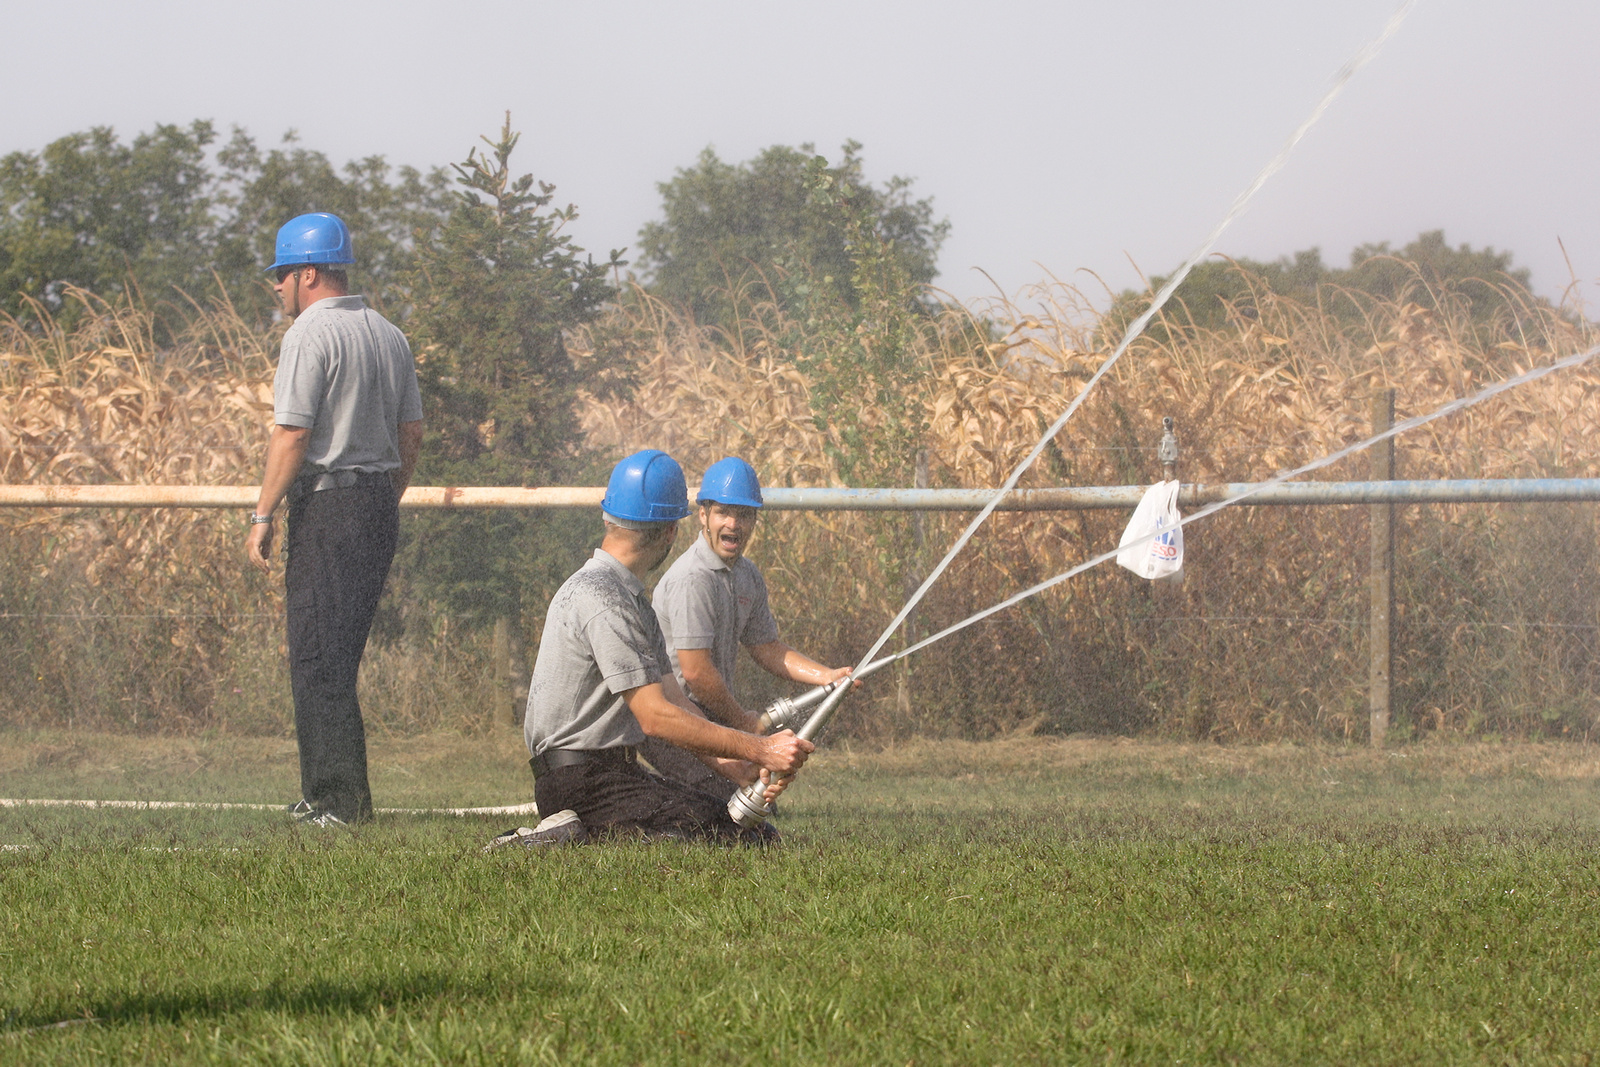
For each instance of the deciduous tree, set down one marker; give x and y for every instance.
(1219, 291)
(91, 212)
(725, 226)
(162, 212)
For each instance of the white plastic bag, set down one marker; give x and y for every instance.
(1156, 519)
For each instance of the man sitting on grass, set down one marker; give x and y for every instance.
(603, 682)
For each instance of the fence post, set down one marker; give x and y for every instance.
(913, 578)
(509, 668)
(518, 676)
(1381, 573)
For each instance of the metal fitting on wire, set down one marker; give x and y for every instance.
(1167, 451)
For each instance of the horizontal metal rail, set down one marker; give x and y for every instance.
(244, 496)
(1461, 491)
(1193, 495)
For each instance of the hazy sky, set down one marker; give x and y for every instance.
(1055, 136)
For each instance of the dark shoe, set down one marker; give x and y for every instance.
(562, 828)
(300, 808)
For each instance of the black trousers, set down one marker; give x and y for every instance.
(680, 766)
(615, 795)
(340, 542)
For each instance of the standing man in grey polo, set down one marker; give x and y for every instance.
(603, 683)
(711, 601)
(348, 428)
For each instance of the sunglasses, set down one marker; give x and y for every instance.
(284, 272)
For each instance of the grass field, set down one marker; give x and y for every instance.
(1019, 901)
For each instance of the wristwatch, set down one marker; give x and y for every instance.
(257, 520)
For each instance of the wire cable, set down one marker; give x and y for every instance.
(1459, 404)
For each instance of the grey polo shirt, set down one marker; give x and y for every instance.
(705, 603)
(346, 373)
(600, 640)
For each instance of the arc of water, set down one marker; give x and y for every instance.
(1362, 57)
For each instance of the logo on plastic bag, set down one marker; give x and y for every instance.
(1154, 538)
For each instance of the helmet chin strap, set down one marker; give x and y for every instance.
(298, 306)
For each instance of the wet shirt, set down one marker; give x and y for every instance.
(703, 602)
(600, 640)
(346, 373)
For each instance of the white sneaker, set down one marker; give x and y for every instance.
(323, 820)
(562, 828)
(510, 837)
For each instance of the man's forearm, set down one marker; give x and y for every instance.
(778, 659)
(286, 451)
(720, 764)
(711, 690)
(715, 698)
(410, 449)
(660, 717)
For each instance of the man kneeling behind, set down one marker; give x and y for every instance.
(603, 682)
(711, 601)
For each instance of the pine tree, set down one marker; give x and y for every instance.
(494, 290)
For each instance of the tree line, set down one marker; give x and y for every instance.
(792, 255)
(475, 262)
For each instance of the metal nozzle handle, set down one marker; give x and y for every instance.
(820, 717)
(748, 807)
(785, 711)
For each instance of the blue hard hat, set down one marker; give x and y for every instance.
(648, 486)
(315, 238)
(731, 481)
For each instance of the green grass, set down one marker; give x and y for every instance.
(1078, 901)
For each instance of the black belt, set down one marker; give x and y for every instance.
(307, 484)
(556, 758)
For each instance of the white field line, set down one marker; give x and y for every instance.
(529, 808)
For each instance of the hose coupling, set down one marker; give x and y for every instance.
(748, 807)
(785, 713)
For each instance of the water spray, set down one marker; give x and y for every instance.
(748, 806)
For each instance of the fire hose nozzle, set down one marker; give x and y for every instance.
(785, 713)
(790, 713)
(748, 807)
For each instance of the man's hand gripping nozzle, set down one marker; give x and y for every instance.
(748, 807)
(788, 713)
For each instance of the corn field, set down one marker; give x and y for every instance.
(149, 620)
